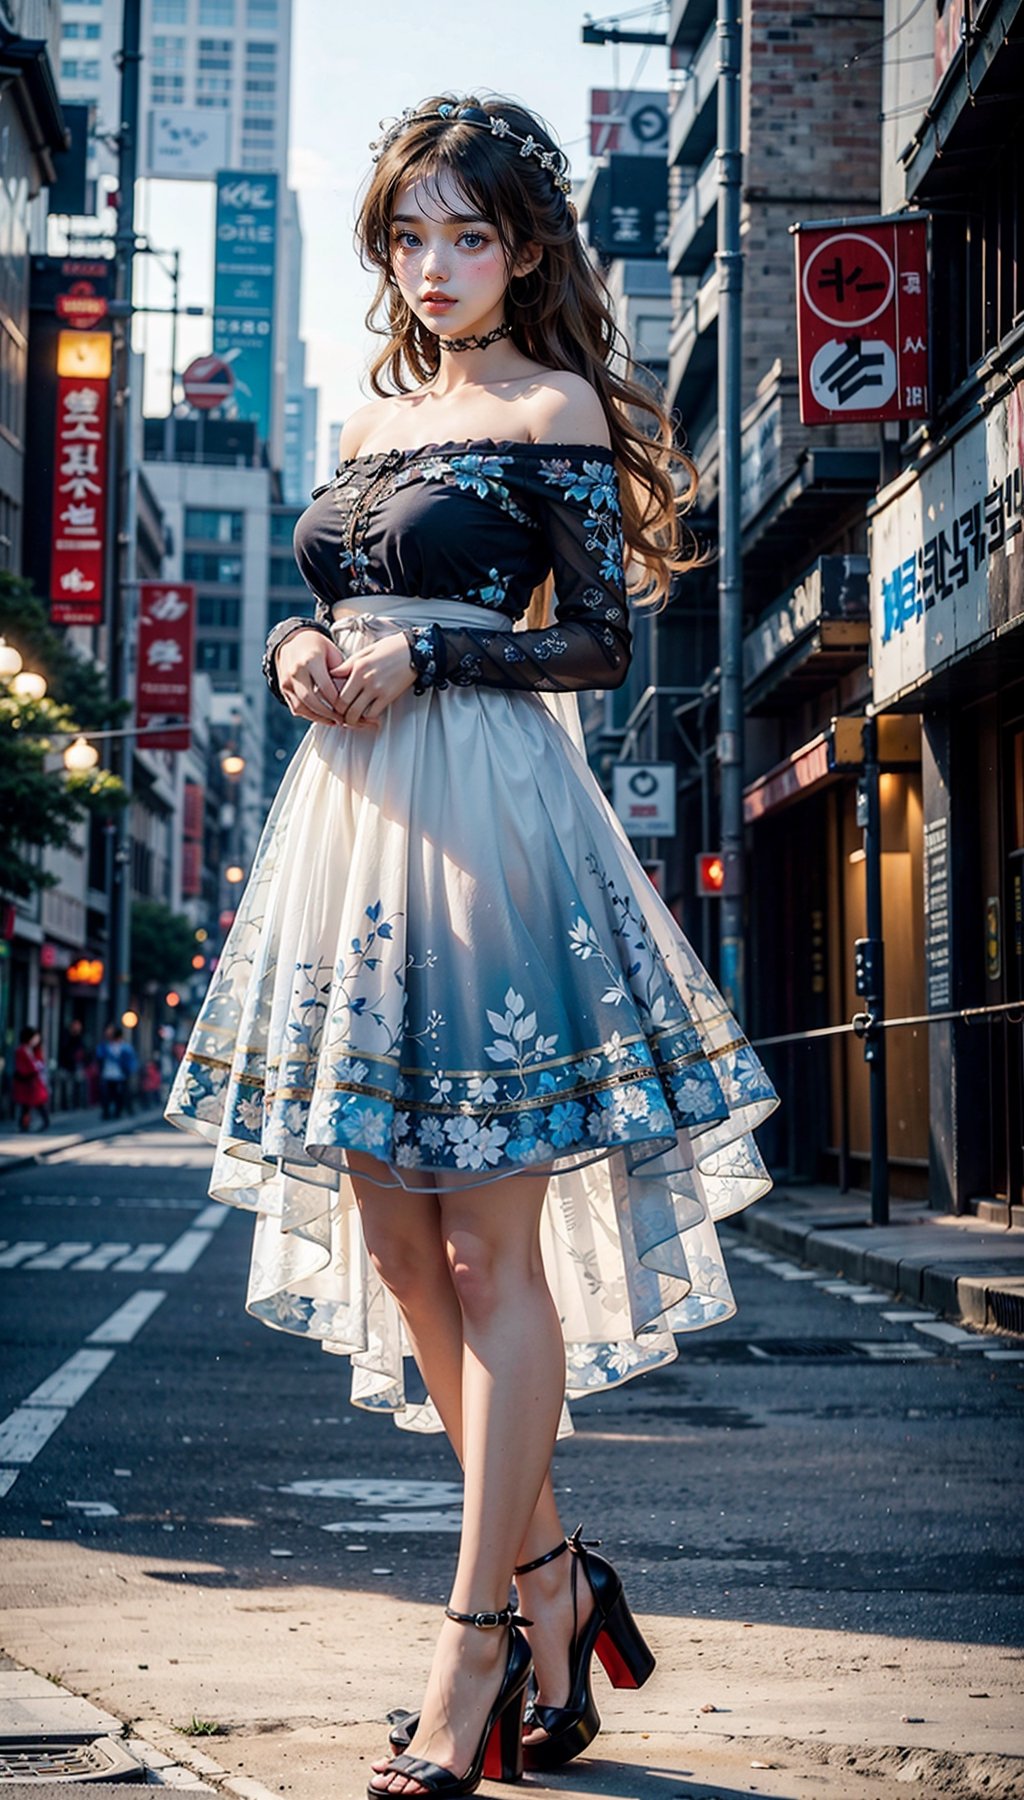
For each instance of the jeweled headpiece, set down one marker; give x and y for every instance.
(554, 161)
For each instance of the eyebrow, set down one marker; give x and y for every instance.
(449, 219)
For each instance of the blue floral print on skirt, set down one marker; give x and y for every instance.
(447, 956)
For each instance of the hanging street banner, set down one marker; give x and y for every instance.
(79, 500)
(862, 319)
(243, 292)
(163, 675)
(187, 143)
(947, 553)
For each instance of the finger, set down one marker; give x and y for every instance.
(313, 703)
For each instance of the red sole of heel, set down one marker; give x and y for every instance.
(615, 1667)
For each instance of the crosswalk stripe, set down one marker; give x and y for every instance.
(129, 1319)
(73, 1379)
(140, 1258)
(183, 1253)
(58, 1257)
(9, 1259)
(102, 1256)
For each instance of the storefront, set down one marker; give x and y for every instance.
(947, 608)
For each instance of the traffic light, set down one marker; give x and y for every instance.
(710, 874)
(718, 874)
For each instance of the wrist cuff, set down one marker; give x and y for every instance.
(427, 656)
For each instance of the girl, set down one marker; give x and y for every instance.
(31, 1080)
(457, 1056)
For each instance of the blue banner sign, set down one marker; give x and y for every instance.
(243, 293)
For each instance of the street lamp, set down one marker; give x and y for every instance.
(29, 686)
(80, 757)
(232, 764)
(234, 874)
(10, 660)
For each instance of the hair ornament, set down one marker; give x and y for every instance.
(552, 161)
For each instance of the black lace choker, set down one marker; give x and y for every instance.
(477, 343)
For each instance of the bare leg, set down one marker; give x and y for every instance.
(513, 1374)
(404, 1239)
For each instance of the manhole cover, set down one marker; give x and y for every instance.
(66, 1758)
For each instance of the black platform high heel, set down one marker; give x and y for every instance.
(613, 1633)
(499, 1754)
(611, 1630)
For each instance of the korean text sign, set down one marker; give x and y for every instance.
(79, 500)
(862, 320)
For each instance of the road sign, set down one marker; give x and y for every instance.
(644, 796)
(208, 381)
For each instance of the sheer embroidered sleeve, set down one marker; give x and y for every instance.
(575, 502)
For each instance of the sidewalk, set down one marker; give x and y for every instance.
(19, 1149)
(961, 1266)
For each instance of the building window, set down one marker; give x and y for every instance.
(167, 90)
(213, 100)
(214, 527)
(78, 28)
(285, 573)
(217, 12)
(251, 124)
(206, 565)
(170, 12)
(217, 657)
(282, 527)
(219, 612)
(261, 15)
(215, 55)
(75, 69)
(168, 52)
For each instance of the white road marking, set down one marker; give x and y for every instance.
(74, 1378)
(58, 1257)
(872, 1299)
(952, 1334)
(212, 1216)
(94, 1509)
(129, 1319)
(24, 1431)
(794, 1274)
(754, 1256)
(9, 1259)
(898, 1352)
(1005, 1355)
(903, 1317)
(102, 1256)
(183, 1253)
(31, 1425)
(140, 1258)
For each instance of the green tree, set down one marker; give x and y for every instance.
(163, 945)
(40, 803)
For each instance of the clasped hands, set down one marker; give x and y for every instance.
(320, 682)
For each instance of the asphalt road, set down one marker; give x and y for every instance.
(813, 1464)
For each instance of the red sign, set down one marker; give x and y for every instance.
(208, 382)
(79, 500)
(163, 677)
(862, 320)
(80, 306)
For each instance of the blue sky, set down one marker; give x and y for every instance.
(351, 66)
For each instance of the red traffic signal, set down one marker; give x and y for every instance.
(710, 874)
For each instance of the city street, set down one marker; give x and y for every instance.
(815, 1511)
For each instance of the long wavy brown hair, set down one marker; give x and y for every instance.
(561, 315)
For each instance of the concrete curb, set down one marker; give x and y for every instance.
(104, 1128)
(967, 1283)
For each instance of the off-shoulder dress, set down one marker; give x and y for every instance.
(447, 955)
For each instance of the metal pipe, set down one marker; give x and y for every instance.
(729, 744)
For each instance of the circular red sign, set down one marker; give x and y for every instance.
(208, 382)
(81, 306)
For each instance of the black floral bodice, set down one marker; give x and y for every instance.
(486, 522)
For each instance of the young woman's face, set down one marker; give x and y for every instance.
(448, 262)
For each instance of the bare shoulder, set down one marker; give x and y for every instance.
(565, 409)
(360, 426)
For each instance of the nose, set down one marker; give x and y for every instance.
(435, 263)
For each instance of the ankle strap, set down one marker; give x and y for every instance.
(574, 1542)
(487, 1621)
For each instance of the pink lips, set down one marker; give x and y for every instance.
(437, 302)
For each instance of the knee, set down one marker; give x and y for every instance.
(409, 1264)
(475, 1272)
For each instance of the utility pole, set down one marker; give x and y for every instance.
(122, 587)
(729, 744)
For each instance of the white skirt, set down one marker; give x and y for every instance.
(448, 956)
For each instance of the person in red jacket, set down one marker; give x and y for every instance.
(31, 1086)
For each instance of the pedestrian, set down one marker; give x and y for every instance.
(457, 1055)
(31, 1080)
(113, 1073)
(130, 1065)
(73, 1063)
